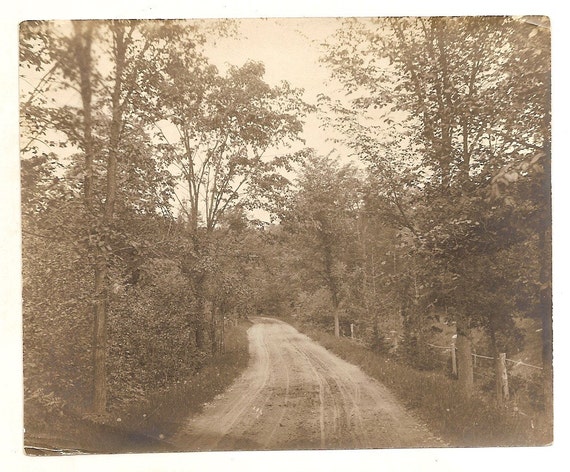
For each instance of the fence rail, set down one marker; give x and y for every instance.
(480, 356)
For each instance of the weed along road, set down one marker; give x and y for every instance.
(297, 395)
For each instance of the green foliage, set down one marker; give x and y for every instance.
(56, 302)
(160, 304)
(144, 421)
(224, 126)
(315, 307)
(320, 220)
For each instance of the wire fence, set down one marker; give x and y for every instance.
(512, 382)
(479, 356)
(485, 367)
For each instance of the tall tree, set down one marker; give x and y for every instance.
(104, 123)
(323, 215)
(223, 128)
(225, 125)
(450, 106)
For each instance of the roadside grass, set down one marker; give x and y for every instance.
(146, 425)
(435, 399)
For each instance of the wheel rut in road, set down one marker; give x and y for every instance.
(295, 394)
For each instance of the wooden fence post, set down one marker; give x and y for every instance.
(502, 379)
(453, 356)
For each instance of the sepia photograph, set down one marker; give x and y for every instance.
(286, 234)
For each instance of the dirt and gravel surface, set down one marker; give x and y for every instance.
(297, 395)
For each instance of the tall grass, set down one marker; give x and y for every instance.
(436, 399)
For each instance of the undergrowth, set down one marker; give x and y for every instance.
(435, 398)
(165, 412)
(142, 426)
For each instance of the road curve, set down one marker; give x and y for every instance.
(297, 395)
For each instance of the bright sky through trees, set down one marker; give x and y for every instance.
(290, 50)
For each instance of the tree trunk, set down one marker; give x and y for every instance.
(335, 303)
(336, 324)
(100, 335)
(333, 288)
(546, 315)
(203, 317)
(206, 295)
(223, 332)
(210, 310)
(101, 280)
(82, 54)
(200, 319)
(545, 254)
(547, 361)
(82, 49)
(199, 334)
(418, 324)
(464, 357)
(453, 349)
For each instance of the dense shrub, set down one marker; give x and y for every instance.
(151, 326)
(57, 323)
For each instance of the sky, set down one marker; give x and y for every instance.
(290, 49)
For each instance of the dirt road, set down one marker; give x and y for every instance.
(297, 395)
